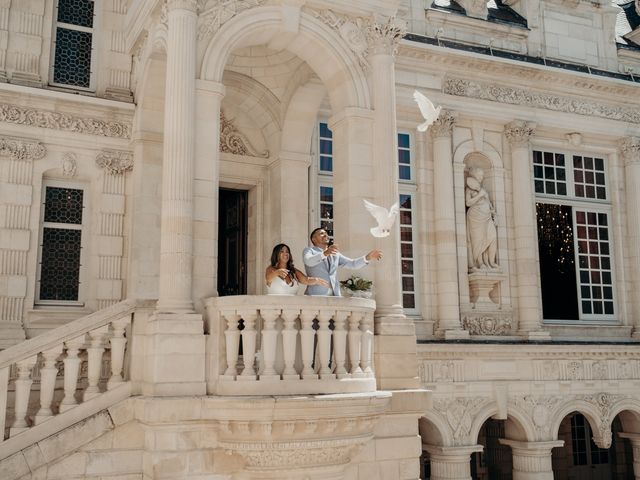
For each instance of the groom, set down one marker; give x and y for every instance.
(323, 259)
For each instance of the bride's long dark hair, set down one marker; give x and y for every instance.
(274, 258)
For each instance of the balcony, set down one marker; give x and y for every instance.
(289, 345)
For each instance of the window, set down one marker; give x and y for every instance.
(404, 157)
(73, 46)
(574, 245)
(326, 149)
(407, 253)
(326, 209)
(585, 451)
(61, 245)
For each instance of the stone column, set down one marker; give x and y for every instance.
(175, 348)
(176, 241)
(451, 463)
(630, 152)
(396, 366)
(532, 460)
(634, 438)
(448, 295)
(524, 222)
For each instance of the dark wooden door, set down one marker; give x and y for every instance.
(232, 242)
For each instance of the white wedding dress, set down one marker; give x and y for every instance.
(280, 287)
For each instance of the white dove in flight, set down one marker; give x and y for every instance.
(384, 217)
(428, 111)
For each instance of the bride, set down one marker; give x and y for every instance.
(282, 277)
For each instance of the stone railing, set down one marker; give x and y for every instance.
(282, 345)
(39, 377)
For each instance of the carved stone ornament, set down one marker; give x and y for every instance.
(215, 13)
(603, 402)
(518, 133)
(630, 150)
(519, 96)
(69, 165)
(21, 148)
(487, 325)
(115, 161)
(232, 141)
(459, 414)
(384, 37)
(443, 126)
(539, 409)
(351, 30)
(62, 121)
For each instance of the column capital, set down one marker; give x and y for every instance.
(384, 35)
(190, 5)
(453, 452)
(519, 132)
(21, 148)
(630, 150)
(531, 448)
(443, 126)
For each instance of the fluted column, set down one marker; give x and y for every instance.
(518, 134)
(391, 325)
(532, 460)
(449, 325)
(630, 152)
(176, 242)
(451, 463)
(634, 438)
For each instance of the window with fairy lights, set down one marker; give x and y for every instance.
(574, 242)
(61, 241)
(73, 44)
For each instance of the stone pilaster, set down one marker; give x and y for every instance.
(397, 367)
(532, 460)
(16, 193)
(518, 134)
(176, 242)
(448, 298)
(25, 44)
(630, 152)
(110, 229)
(451, 463)
(117, 81)
(4, 37)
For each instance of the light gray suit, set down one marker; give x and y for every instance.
(317, 265)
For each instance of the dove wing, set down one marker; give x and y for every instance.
(427, 109)
(392, 215)
(379, 213)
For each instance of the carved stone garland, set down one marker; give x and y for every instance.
(232, 141)
(214, 14)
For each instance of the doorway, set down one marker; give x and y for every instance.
(232, 242)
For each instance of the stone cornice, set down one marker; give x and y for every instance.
(519, 133)
(32, 117)
(115, 162)
(443, 126)
(21, 148)
(630, 150)
(501, 93)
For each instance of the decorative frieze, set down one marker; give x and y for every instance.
(528, 98)
(21, 149)
(61, 121)
(586, 369)
(232, 141)
(487, 324)
(213, 14)
(115, 162)
(441, 371)
(519, 133)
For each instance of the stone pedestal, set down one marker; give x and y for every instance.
(451, 463)
(481, 282)
(532, 460)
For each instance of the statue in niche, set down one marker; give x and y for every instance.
(482, 235)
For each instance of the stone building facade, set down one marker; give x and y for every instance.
(152, 153)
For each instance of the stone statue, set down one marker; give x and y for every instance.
(481, 227)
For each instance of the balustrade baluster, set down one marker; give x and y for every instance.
(118, 343)
(249, 344)
(366, 326)
(48, 374)
(269, 343)
(23, 390)
(340, 343)
(355, 344)
(71, 369)
(289, 337)
(324, 344)
(232, 337)
(4, 388)
(94, 359)
(307, 335)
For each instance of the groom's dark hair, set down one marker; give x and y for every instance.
(314, 232)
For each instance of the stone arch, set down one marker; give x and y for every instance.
(314, 42)
(300, 117)
(434, 430)
(589, 410)
(518, 424)
(467, 148)
(629, 412)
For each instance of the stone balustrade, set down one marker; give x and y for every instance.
(39, 378)
(283, 345)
